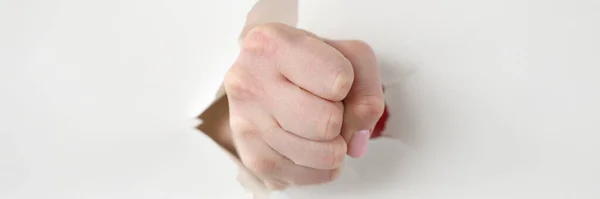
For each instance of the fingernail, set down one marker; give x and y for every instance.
(358, 143)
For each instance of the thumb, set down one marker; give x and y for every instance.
(364, 104)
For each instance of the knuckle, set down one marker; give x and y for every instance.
(370, 107)
(344, 78)
(261, 166)
(333, 122)
(334, 154)
(236, 84)
(246, 136)
(262, 38)
(242, 130)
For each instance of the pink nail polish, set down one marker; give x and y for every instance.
(358, 143)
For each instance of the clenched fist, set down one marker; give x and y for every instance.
(299, 103)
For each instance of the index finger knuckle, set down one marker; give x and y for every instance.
(370, 107)
(237, 84)
(263, 39)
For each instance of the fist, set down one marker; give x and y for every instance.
(299, 104)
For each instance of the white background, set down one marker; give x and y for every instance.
(98, 97)
(502, 98)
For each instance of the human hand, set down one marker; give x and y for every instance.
(298, 104)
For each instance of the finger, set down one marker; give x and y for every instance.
(258, 158)
(300, 175)
(303, 113)
(254, 153)
(273, 168)
(308, 153)
(315, 67)
(364, 104)
(302, 58)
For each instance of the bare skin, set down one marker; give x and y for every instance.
(298, 104)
